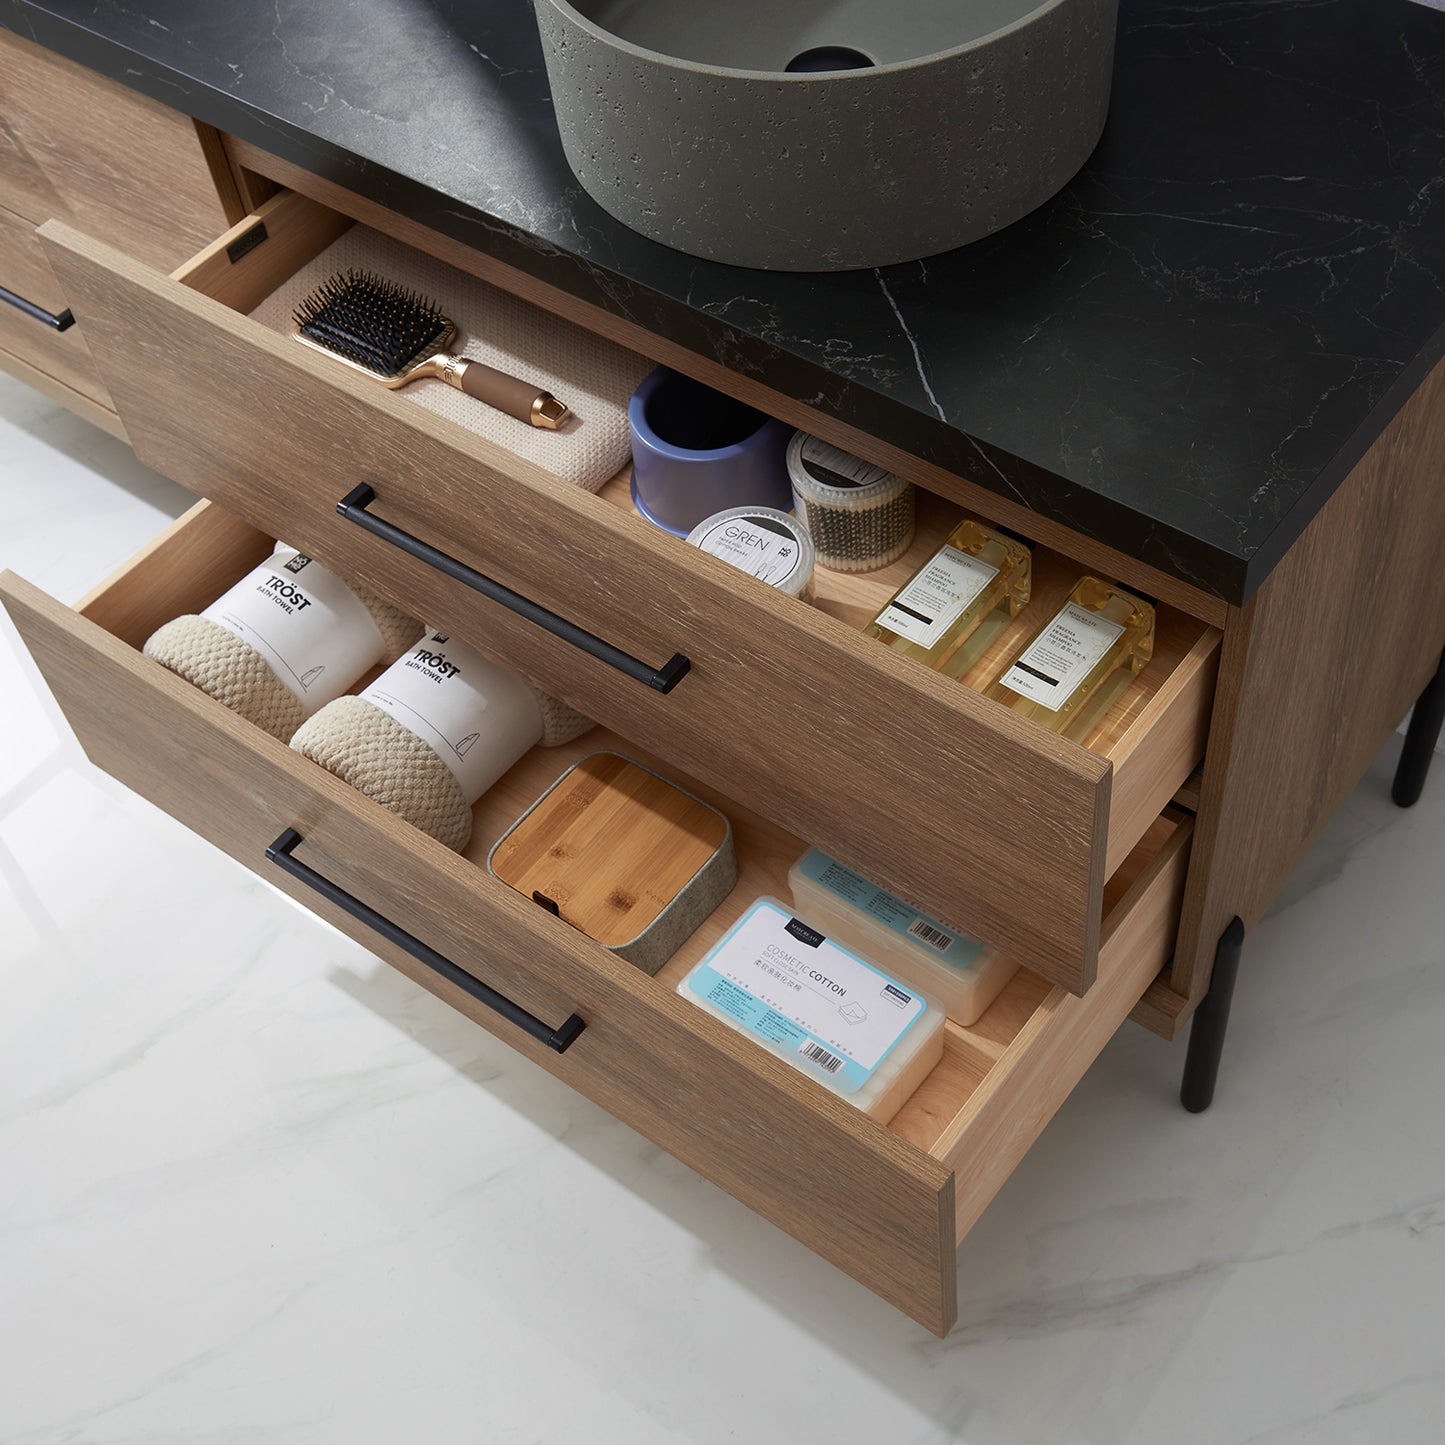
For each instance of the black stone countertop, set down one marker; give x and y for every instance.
(1182, 354)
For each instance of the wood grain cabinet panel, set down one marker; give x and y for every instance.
(80, 147)
(59, 354)
(970, 811)
(884, 1204)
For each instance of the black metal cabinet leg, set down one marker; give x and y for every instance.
(1211, 1018)
(1420, 739)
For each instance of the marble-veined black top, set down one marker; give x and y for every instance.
(1182, 354)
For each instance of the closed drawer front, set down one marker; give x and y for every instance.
(80, 147)
(885, 1204)
(973, 813)
(36, 323)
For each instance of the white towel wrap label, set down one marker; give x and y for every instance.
(313, 630)
(477, 716)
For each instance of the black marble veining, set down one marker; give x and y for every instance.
(1182, 354)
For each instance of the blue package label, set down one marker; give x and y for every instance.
(954, 948)
(796, 989)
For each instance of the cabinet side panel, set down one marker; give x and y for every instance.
(1317, 672)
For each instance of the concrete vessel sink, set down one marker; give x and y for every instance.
(808, 135)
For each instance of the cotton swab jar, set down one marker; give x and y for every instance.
(859, 516)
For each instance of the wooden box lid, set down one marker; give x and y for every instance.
(609, 847)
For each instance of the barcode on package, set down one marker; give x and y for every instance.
(817, 1054)
(933, 937)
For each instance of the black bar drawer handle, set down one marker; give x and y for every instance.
(282, 854)
(661, 679)
(62, 321)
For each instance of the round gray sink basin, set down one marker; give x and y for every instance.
(822, 135)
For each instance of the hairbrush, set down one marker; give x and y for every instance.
(396, 336)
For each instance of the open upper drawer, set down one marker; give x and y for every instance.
(971, 812)
(885, 1204)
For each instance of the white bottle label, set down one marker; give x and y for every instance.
(1053, 665)
(937, 596)
(833, 467)
(312, 629)
(477, 716)
(796, 988)
(759, 546)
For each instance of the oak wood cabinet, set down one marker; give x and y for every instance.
(78, 146)
(1121, 861)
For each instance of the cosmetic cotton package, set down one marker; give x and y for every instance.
(964, 975)
(820, 1007)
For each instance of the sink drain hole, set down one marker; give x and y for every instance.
(829, 57)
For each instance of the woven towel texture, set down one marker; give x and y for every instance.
(376, 755)
(371, 751)
(231, 671)
(592, 376)
(234, 673)
(560, 723)
(399, 630)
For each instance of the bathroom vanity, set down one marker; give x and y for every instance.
(1208, 369)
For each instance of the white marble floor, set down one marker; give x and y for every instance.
(256, 1186)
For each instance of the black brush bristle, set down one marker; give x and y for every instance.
(369, 320)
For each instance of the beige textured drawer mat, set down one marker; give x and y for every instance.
(594, 377)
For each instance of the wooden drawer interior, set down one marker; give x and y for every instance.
(1000, 1080)
(1133, 735)
(960, 789)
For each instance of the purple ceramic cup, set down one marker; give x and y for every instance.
(696, 452)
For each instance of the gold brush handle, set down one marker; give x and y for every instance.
(521, 399)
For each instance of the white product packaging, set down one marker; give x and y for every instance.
(820, 1007)
(314, 632)
(765, 543)
(476, 715)
(964, 975)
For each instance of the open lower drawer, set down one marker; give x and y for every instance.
(885, 1204)
(950, 800)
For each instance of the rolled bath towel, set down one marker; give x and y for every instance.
(434, 732)
(283, 642)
